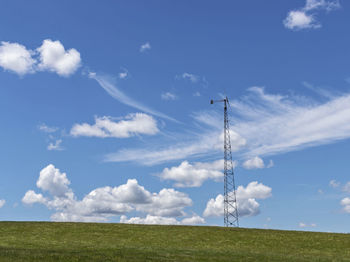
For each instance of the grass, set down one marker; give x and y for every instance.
(47, 241)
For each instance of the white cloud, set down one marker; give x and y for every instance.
(149, 219)
(303, 225)
(53, 181)
(2, 203)
(168, 202)
(194, 175)
(201, 144)
(193, 78)
(236, 140)
(333, 183)
(270, 164)
(146, 46)
(194, 220)
(197, 94)
(107, 83)
(53, 57)
(104, 202)
(133, 124)
(346, 187)
(246, 200)
(267, 124)
(322, 4)
(168, 96)
(31, 197)
(124, 74)
(156, 156)
(309, 123)
(304, 18)
(16, 58)
(159, 220)
(254, 163)
(297, 20)
(346, 203)
(47, 129)
(55, 146)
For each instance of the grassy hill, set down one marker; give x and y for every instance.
(45, 241)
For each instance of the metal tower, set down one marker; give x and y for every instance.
(230, 201)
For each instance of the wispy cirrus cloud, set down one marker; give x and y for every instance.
(108, 84)
(168, 96)
(191, 77)
(47, 129)
(262, 124)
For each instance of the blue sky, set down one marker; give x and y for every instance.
(106, 115)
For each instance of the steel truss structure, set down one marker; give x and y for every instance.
(230, 200)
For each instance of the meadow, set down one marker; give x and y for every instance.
(50, 241)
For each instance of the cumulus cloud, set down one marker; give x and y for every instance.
(53, 57)
(2, 203)
(345, 202)
(158, 220)
(50, 56)
(55, 145)
(16, 58)
(254, 163)
(304, 18)
(31, 197)
(53, 181)
(149, 219)
(105, 202)
(146, 46)
(194, 220)
(297, 20)
(133, 124)
(167, 203)
(168, 96)
(194, 175)
(246, 200)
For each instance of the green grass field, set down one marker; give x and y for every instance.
(45, 241)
